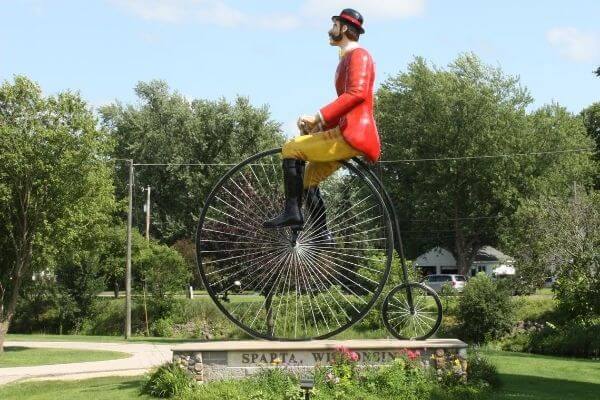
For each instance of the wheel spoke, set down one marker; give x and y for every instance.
(299, 287)
(407, 324)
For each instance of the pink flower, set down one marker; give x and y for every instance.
(341, 349)
(413, 355)
(354, 356)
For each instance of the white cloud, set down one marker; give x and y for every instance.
(370, 9)
(209, 12)
(574, 44)
(218, 12)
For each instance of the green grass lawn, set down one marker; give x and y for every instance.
(113, 388)
(85, 338)
(524, 376)
(24, 357)
(353, 332)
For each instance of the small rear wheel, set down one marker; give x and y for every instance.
(414, 323)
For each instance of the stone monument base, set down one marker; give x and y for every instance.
(209, 361)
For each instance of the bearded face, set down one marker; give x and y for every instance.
(336, 33)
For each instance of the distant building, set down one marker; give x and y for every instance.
(488, 259)
(493, 262)
(437, 261)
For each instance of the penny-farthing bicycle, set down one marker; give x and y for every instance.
(297, 284)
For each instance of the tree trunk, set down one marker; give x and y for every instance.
(17, 279)
(460, 250)
(3, 331)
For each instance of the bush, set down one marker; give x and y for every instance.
(44, 308)
(401, 379)
(164, 272)
(167, 381)
(485, 310)
(518, 341)
(534, 308)
(162, 327)
(572, 339)
(481, 370)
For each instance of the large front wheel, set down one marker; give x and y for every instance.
(280, 285)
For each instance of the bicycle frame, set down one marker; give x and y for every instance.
(395, 225)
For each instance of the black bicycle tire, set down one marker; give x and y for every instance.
(386, 319)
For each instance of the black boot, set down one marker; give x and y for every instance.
(292, 214)
(315, 206)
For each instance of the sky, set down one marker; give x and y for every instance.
(277, 53)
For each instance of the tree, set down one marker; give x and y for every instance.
(591, 120)
(164, 272)
(561, 237)
(448, 118)
(485, 310)
(168, 128)
(111, 251)
(54, 183)
(597, 72)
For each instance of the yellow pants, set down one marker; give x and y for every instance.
(322, 150)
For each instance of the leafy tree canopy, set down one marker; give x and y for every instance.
(451, 117)
(166, 127)
(55, 184)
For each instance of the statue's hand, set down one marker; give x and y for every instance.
(309, 124)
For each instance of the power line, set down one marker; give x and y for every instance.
(511, 155)
(453, 219)
(184, 164)
(407, 160)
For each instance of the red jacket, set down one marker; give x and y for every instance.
(353, 109)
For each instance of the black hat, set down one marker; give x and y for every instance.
(351, 16)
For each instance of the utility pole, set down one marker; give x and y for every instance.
(147, 207)
(128, 263)
(148, 213)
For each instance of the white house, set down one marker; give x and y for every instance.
(493, 262)
(488, 259)
(436, 261)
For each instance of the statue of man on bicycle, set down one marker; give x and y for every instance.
(343, 129)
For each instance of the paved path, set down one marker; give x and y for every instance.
(143, 357)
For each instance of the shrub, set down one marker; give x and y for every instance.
(164, 272)
(168, 380)
(572, 339)
(402, 379)
(481, 370)
(485, 310)
(44, 308)
(107, 318)
(534, 308)
(518, 341)
(162, 327)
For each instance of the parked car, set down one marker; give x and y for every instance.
(549, 282)
(456, 282)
